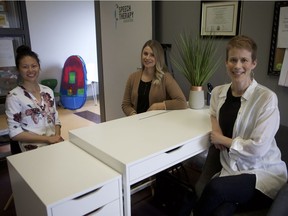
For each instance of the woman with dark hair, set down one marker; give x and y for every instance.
(30, 107)
(152, 87)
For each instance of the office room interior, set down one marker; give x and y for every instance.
(71, 30)
(59, 29)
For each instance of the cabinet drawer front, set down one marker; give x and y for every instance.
(88, 202)
(114, 209)
(155, 164)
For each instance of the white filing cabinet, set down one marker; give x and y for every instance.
(63, 180)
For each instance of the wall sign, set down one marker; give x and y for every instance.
(123, 13)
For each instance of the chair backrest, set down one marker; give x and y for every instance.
(51, 83)
(282, 142)
(14, 147)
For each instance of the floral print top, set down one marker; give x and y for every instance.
(25, 113)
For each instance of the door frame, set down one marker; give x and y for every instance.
(99, 55)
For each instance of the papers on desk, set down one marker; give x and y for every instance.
(283, 79)
(151, 114)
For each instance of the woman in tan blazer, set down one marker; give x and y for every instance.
(152, 87)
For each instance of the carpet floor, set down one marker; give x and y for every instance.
(89, 116)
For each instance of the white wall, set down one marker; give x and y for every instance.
(59, 29)
(122, 41)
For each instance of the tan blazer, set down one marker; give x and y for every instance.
(168, 91)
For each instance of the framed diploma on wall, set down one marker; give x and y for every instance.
(220, 18)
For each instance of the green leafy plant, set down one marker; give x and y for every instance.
(196, 58)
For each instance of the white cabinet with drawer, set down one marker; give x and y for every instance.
(62, 179)
(141, 145)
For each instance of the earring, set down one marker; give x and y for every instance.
(252, 75)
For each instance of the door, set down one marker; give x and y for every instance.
(122, 28)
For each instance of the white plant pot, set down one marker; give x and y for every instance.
(196, 97)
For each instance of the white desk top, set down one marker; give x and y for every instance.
(138, 136)
(59, 172)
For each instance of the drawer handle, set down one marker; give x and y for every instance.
(94, 211)
(87, 194)
(172, 150)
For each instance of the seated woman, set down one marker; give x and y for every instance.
(244, 118)
(152, 87)
(30, 107)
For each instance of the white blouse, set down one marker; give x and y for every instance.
(25, 113)
(254, 149)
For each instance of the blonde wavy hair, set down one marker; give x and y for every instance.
(160, 66)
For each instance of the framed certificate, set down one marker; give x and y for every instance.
(3, 21)
(220, 18)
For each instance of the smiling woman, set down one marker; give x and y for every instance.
(30, 107)
(244, 118)
(152, 87)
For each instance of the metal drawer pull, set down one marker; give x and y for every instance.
(94, 211)
(172, 150)
(86, 194)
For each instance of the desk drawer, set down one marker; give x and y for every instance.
(155, 164)
(114, 209)
(88, 202)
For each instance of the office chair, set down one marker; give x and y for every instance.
(51, 83)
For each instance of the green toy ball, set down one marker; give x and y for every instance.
(278, 66)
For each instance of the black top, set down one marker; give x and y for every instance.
(143, 96)
(228, 113)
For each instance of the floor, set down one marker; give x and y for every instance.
(77, 122)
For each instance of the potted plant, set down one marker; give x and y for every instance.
(196, 60)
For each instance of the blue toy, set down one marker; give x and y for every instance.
(73, 88)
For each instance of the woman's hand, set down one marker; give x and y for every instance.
(214, 139)
(216, 136)
(220, 141)
(55, 139)
(157, 106)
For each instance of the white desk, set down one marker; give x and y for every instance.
(142, 145)
(57, 181)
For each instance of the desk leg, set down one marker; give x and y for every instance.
(126, 196)
(94, 90)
